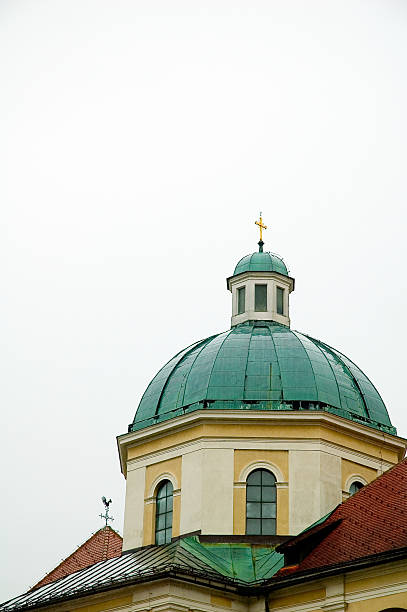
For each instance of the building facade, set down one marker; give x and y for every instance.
(254, 464)
(257, 397)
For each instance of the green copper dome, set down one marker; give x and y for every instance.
(261, 366)
(261, 262)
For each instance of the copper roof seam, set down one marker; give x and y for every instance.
(214, 361)
(354, 379)
(204, 346)
(338, 360)
(316, 343)
(278, 363)
(186, 352)
(247, 362)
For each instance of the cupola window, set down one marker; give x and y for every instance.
(163, 514)
(260, 298)
(241, 300)
(280, 301)
(261, 503)
(355, 487)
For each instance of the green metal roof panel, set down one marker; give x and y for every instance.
(261, 262)
(241, 561)
(157, 385)
(261, 365)
(236, 564)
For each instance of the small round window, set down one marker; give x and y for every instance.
(355, 487)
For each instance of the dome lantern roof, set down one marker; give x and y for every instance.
(260, 287)
(261, 262)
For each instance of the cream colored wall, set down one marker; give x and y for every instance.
(191, 492)
(134, 508)
(312, 462)
(158, 596)
(207, 491)
(272, 281)
(315, 487)
(330, 482)
(368, 590)
(303, 475)
(173, 595)
(217, 491)
(203, 495)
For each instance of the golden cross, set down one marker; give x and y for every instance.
(261, 226)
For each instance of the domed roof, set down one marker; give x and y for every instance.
(261, 262)
(261, 365)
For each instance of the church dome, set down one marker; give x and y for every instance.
(261, 365)
(261, 262)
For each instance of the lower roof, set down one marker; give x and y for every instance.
(234, 564)
(368, 528)
(106, 543)
(372, 522)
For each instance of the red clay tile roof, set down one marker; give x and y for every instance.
(104, 544)
(372, 521)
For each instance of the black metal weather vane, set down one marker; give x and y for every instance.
(106, 514)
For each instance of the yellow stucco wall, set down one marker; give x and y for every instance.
(378, 580)
(153, 473)
(239, 444)
(219, 600)
(350, 468)
(380, 602)
(369, 590)
(107, 604)
(269, 430)
(242, 460)
(298, 598)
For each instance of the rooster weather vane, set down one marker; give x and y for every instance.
(106, 514)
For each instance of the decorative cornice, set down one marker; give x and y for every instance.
(184, 422)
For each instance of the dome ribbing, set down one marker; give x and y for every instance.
(261, 366)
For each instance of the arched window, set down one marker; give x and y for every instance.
(355, 487)
(163, 513)
(261, 503)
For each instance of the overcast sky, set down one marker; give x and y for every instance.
(139, 141)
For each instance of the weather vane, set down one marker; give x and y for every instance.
(261, 227)
(106, 514)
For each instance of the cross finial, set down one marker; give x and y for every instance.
(261, 227)
(106, 514)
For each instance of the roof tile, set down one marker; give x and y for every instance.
(372, 521)
(102, 545)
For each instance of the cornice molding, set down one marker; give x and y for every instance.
(239, 417)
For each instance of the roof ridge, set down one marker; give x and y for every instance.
(106, 531)
(316, 343)
(370, 521)
(186, 352)
(342, 356)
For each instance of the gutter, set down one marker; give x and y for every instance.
(191, 576)
(339, 568)
(229, 585)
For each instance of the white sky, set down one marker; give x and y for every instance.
(139, 140)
